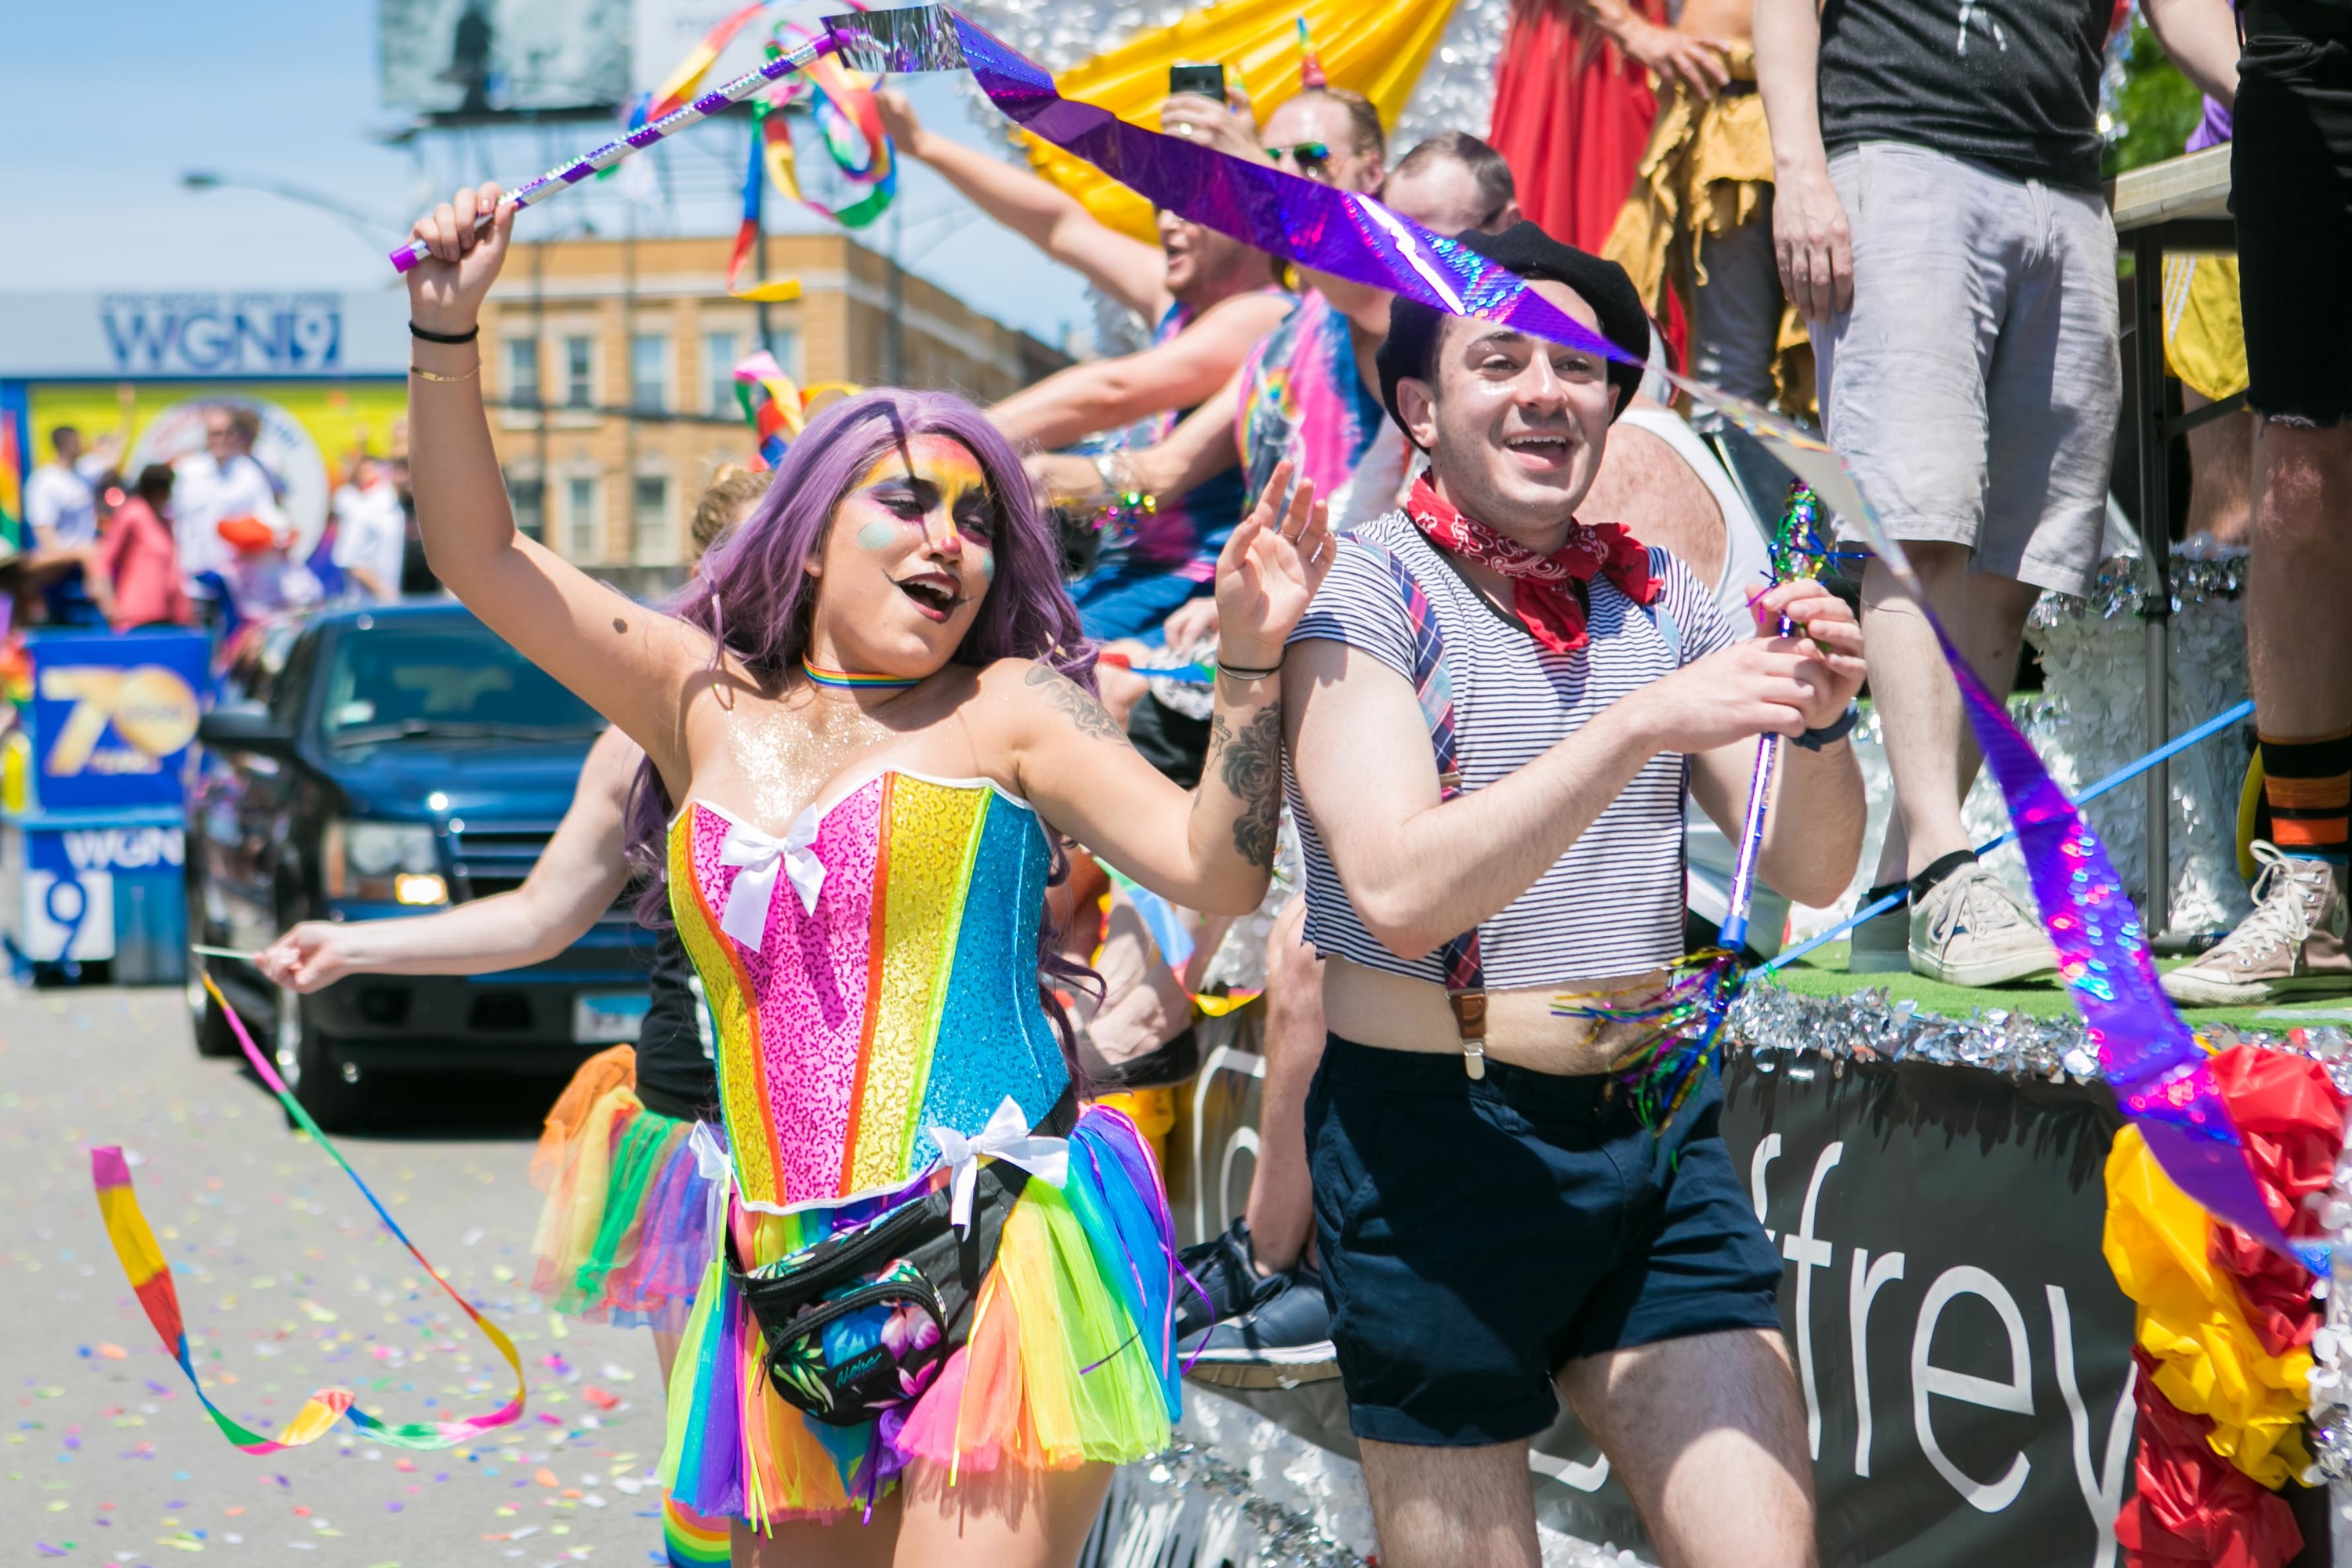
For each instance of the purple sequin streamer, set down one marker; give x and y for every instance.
(2157, 1071)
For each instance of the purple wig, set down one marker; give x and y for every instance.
(757, 602)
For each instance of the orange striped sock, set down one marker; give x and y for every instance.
(2307, 784)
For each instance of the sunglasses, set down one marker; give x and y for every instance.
(1310, 158)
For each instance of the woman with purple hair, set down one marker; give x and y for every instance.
(941, 1295)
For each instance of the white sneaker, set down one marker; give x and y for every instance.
(1971, 930)
(2291, 945)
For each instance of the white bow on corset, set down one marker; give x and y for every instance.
(1006, 1137)
(758, 857)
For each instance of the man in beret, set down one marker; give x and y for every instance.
(1494, 712)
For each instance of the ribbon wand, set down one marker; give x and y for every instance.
(898, 40)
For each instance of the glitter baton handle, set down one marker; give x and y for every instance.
(1733, 934)
(566, 175)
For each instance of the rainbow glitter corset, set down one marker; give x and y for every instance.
(873, 975)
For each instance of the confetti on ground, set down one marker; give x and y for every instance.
(287, 1285)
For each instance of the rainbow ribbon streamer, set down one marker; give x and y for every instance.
(772, 406)
(2158, 1072)
(150, 1279)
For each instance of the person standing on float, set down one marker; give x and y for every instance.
(874, 723)
(1499, 1228)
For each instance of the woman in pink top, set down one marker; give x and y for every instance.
(137, 560)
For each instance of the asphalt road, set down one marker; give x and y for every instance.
(290, 1284)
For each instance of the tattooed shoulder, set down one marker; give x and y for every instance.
(1075, 704)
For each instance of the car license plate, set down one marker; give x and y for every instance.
(608, 1020)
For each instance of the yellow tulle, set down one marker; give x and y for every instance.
(1378, 48)
(2209, 1362)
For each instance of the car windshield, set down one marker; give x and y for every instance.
(450, 679)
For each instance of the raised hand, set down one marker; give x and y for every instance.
(445, 288)
(1268, 571)
(899, 121)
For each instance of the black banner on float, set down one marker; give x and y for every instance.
(1964, 1352)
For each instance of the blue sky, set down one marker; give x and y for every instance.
(284, 91)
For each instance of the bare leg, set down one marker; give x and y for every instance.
(1927, 748)
(1281, 1207)
(1452, 1508)
(1011, 1517)
(1708, 1436)
(847, 1543)
(2221, 473)
(2298, 636)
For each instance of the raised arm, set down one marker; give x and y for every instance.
(632, 665)
(1199, 449)
(577, 877)
(1107, 392)
(2202, 37)
(1813, 824)
(1420, 871)
(1810, 234)
(1127, 270)
(1212, 849)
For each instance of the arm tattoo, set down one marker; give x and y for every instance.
(1079, 706)
(1250, 764)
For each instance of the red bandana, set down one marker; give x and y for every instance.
(1541, 595)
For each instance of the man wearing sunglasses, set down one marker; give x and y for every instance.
(1213, 301)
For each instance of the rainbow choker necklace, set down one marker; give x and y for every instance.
(848, 680)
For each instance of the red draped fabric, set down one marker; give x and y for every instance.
(1571, 117)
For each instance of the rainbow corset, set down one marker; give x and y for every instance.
(872, 975)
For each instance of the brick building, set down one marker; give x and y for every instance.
(609, 365)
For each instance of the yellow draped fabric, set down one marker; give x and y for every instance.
(1376, 48)
(2209, 1362)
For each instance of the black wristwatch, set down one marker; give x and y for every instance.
(1836, 730)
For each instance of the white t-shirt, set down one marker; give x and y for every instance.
(205, 492)
(1747, 557)
(60, 505)
(371, 532)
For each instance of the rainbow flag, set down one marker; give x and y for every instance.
(12, 486)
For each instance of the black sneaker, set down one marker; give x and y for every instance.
(1227, 1272)
(1283, 1341)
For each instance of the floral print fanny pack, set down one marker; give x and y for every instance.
(860, 1323)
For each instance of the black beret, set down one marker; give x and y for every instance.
(1411, 346)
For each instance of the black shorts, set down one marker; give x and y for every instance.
(1476, 1236)
(2290, 176)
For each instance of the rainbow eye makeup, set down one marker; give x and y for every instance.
(932, 474)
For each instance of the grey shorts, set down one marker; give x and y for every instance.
(1975, 385)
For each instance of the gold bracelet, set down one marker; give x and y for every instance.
(418, 370)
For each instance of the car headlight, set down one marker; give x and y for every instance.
(384, 863)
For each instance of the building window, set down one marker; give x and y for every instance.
(649, 372)
(530, 501)
(719, 356)
(580, 519)
(649, 520)
(786, 344)
(578, 371)
(523, 372)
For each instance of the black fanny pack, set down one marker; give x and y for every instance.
(861, 1322)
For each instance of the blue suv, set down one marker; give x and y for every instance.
(385, 762)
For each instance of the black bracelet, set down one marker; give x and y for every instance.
(465, 337)
(1242, 673)
(1836, 730)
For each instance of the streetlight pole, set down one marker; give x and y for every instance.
(369, 226)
